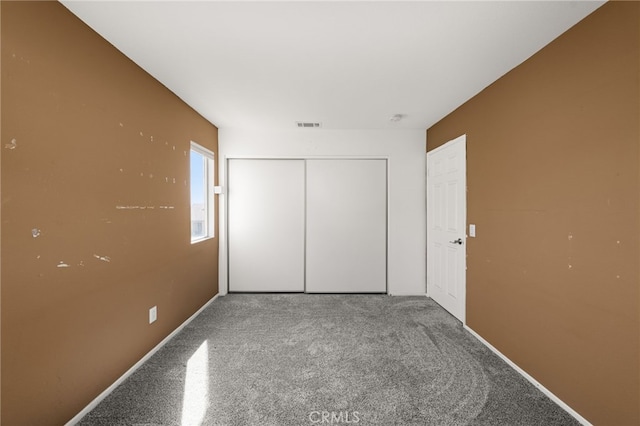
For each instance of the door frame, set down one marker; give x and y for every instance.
(223, 169)
(462, 137)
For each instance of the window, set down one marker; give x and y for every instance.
(202, 207)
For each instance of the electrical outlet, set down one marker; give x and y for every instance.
(153, 314)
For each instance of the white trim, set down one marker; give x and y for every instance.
(93, 404)
(223, 241)
(306, 157)
(195, 146)
(407, 295)
(533, 381)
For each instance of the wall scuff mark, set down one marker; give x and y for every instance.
(102, 258)
(12, 145)
(138, 208)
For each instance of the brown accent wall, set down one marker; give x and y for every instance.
(93, 132)
(554, 189)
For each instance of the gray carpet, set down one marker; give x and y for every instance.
(300, 359)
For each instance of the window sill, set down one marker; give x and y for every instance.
(199, 240)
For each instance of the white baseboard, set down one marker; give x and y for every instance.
(533, 381)
(93, 404)
(406, 294)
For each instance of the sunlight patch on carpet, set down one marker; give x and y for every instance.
(194, 403)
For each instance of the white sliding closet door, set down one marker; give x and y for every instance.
(266, 225)
(346, 226)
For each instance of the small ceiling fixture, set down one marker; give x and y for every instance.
(308, 124)
(396, 117)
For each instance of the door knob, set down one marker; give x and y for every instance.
(458, 241)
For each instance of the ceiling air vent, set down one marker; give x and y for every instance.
(306, 124)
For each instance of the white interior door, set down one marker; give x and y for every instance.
(446, 226)
(346, 246)
(266, 225)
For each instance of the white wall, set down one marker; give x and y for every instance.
(405, 150)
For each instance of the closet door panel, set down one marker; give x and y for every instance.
(266, 225)
(346, 244)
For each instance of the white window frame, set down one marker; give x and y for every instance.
(209, 177)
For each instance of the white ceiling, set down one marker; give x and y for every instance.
(347, 64)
